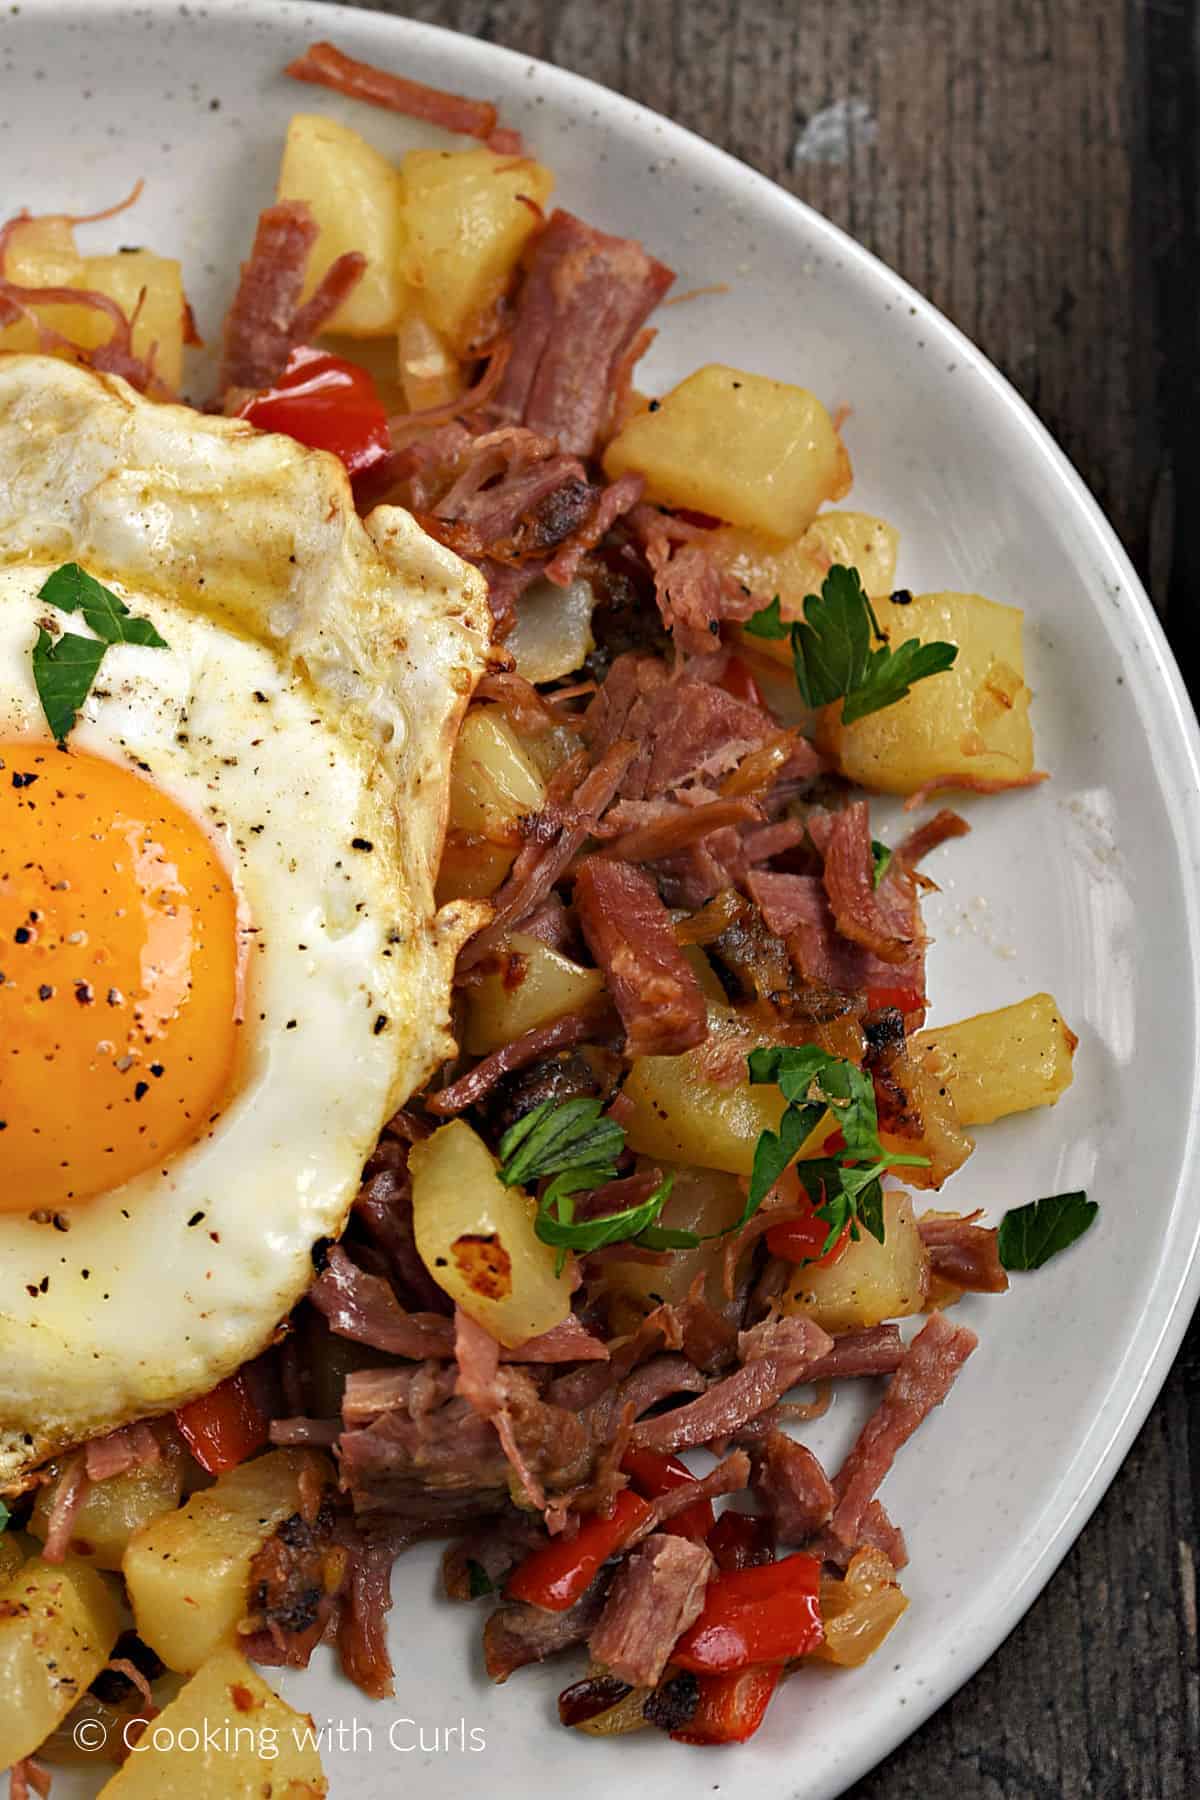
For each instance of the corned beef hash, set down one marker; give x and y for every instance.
(462, 1046)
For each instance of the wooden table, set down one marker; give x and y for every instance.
(1031, 166)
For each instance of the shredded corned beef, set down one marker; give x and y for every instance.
(964, 1254)
(922, 1381)
(877, 1350)
(797, 909)
(776, 1356)
(130, 1447)
(657, 1593)
(795, 1491)
(267, 319)
(676, 827)
(930, 836)
(531, 1047)
(629, 932)
(540, 865)
(883, 919)
(618, 497)
(73, 1486)
(329, 67)
(517, 1634)
(730, 1476)
(28, 1777)
(582, 304)
(364, 1307)
(695, 596)
(973, 784)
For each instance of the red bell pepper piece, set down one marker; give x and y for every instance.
(738, 681)
(801, 1240)
(731, 1707)
(223, 1428)
(741, 1540)
(328, 404)
(654, 1475)
(906, 999)
(767, 1614)
(555, 1575)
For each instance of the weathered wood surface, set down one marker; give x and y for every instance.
(1033, 170)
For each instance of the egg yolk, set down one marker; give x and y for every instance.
(120, 973)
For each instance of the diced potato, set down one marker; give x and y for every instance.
(468, 222)
(859, 1611)
(356, 197)
(225, 1736)
(706, 1201)
(748, 450)
(533, 986)
(58, 1625)
(942, 1138)
(15, 1548)
(1001, 1062)
(871, 1281)
(476, 1238)
(553, 632)
(700, 1108)
(797, 569)
(42, 253)
(187, 1572)
(428, 370)
(971, 720)
(117, 1508)
(493, 784)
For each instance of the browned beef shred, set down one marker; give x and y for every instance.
(584, 300)
(629, 932)
(657, 1593)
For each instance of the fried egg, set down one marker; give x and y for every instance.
(221, 966)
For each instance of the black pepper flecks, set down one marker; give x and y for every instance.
(381, 1024)
(361, 843)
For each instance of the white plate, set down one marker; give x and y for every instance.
(1086, 886)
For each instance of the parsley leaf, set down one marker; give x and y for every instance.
(768, 622)
(63, 674)
(839, 652)
(845, 1188)
(574, 1143)
(5, 1516)
(881, 856)
(64, 670)
(560, 1136)
(892, 673)
(1031, 1235)
(72, 589)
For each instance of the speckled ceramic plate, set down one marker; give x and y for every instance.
(1086, 886)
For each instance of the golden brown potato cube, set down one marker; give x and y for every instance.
(795, 570)
(532, 986)
(1001, 1062)
(58, 1625)
(115, 1509)
(42, 253)
(356, 197)
(705, 1201)
(493, 784)
(747, 449)
(477, 1239)
(470, 214)
(870, 1281)
(971, 720)
(701, 1108)
(187, 1572)
(225, 1736)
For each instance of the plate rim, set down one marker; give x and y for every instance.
(1133, 1393)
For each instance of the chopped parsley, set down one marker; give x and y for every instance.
(844, 1186)
(5, 1516)
(881, 856)
(577, 1147)
(840, 653)
(1031, 1235)
(64, 668)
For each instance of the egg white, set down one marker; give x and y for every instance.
(365, 639)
